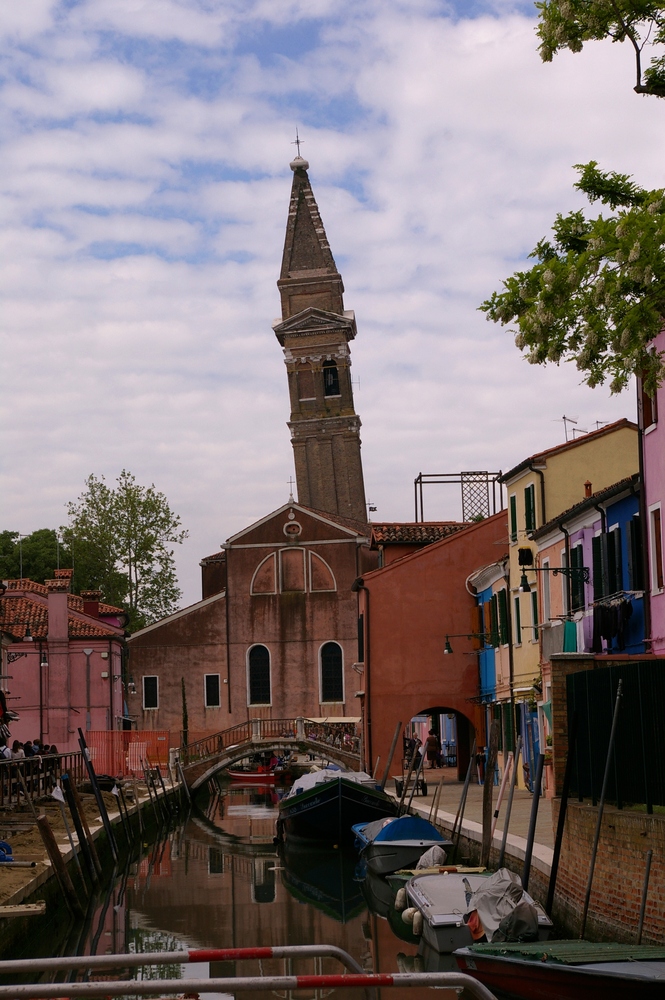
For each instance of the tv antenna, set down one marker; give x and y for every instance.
(566, 421)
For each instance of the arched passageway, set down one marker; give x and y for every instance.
(455, 731)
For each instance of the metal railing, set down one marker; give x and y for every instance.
(40, 775)
(334, 735)
(353, 979)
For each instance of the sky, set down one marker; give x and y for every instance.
(144, 186)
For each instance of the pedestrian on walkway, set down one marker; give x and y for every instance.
(432, 748)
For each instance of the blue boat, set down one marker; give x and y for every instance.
(396, 842)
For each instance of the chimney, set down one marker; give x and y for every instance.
(587, 489)
(91, 599)
(63, 576)
(58, 609)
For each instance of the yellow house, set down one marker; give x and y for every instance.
(538, 489)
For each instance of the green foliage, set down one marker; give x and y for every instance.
(568, 24)
(40, 555)
(596, 295)
(121, 539)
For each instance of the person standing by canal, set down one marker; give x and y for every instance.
(432, 748)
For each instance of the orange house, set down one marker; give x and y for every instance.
(407, 609)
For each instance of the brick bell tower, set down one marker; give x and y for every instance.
(315, 332)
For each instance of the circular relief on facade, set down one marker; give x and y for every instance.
(291, 516)
(292, 529)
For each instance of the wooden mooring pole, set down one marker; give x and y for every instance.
(59, 866)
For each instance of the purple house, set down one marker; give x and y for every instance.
(652, 431)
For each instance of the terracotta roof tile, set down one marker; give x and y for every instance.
(414, 533)
(73, 600)
(215, 557)
(17, 612)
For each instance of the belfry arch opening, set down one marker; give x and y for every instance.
(454, 730)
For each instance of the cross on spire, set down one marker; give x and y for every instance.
(291, 485)
(297, 142)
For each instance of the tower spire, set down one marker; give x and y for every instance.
(315, 332)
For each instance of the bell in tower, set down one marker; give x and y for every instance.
(315, 332)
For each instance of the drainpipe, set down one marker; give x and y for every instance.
(603, 517)
(542, 490)
(88, 653)
(228, 642)
(357, 585)
(112, 722)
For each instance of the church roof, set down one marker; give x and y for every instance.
(414, 533)
(306, 246)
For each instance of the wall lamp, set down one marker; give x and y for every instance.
(579, 573)
(463, 635)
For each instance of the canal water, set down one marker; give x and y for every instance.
(219, 881)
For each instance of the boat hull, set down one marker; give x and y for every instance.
(386, 857)
(327, 811)
(547, 981)
(252, 777)
(441, 900)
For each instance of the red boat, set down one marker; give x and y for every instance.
(576, 970)
(259, 777)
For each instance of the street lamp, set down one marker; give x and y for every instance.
(581, 573)
(447, 649)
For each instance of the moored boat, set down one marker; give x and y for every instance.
(396, 842)
(324, 805)
(252, 777)
(576, 970)
(444, 899)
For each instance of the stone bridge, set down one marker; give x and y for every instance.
(336, 742)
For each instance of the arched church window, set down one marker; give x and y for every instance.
(330, 379)
(258, 676)
(332, 673)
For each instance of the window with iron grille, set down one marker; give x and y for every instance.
(332, 673)
(212, 691)
(330, 379)
(259, 676)
(151, 692)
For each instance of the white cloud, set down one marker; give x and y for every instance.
(440, 152)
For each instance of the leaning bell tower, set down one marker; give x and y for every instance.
(315, 331)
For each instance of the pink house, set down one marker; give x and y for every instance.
(652, 427)
(61, 660)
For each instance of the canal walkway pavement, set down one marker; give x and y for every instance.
(472, 824)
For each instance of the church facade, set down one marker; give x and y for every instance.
(276, 633)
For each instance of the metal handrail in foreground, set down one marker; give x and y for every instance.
(136, 959)
(157, 987)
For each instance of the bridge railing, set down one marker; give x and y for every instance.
(341, 736)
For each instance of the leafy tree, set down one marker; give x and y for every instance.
(568, 24)
(121, 542)
(596, 294)
(39, 553)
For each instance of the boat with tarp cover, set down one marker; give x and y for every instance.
(444, 900)
(396, 842)
(324, 805)
(576, 970)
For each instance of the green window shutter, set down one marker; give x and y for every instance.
(513, 518)
(530, 508)
(614, 561)
(494, 622)
(577, 583)
(534, 613)
(597, 556)
(503, 617)
(518, 622)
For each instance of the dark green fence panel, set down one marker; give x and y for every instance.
(637, 776)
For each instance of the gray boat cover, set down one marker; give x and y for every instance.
(496, 901)
(432, 858)
(520, 925)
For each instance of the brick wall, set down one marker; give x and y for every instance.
(625, 838)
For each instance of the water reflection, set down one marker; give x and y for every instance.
(219, 881)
